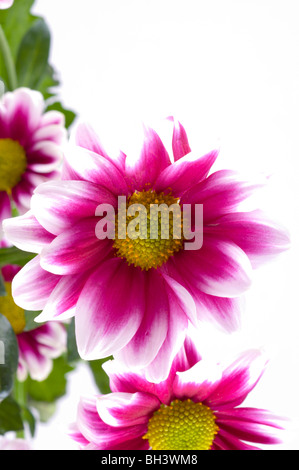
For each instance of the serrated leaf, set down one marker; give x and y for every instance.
(9, 345)
(100, 377)
(10, 416)
(13, 255)
(54, 386)
(33, 55)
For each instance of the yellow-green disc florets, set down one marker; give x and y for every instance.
(14, 314)
(184, 425)
(13, 164)
(158, 227)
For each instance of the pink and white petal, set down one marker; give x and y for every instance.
(62, 301)
(52, 118)
(82, 164)
(32, 286)
(227, 441)
(221, 193)
(181, 309)
(148, 339)
(198, 382)
(143, 171)
(110, 309)
(3, 5)
(187, 357)
(51, 339)
(44, 156)
(5, 210)
(238, 379)
(219, 268)
(26, 233)
(100, 434)
(250, 432)
(251, 415)
(86, 137)
(21, 195)
(185, 173)
(180, 143)
(58, 205)
(38, 365)
(75, 250)
(259, 237)
(50, 133)
(127, 409)
(24, 109)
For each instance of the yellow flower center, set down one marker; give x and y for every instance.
(13, 164)
(150, 238)
(184, 425)
(14, 314)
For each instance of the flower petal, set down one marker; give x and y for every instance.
(5, 209)
(127, 409)
(197, 382)
(180, 143)
(142, 172)
(32, 286)
(26, 233)
(110, 309)
(58, 205)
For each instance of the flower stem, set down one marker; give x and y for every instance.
(20, 397)
(8, 61)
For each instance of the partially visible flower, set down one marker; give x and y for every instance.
(133, 298)
(37, 347)
(14, 444)
(30, 147)
(5, 4)
(195, 408)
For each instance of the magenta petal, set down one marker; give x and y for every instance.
(75, 250)
(32, 286)
(58, 205)
(198, 382)
(86, 137)
(185, 173)
(250, 432)
(142, 172)
(180, 143)
(26, 233)
(5, 209)
(110, 309)
(227, 441)
(238, 379)
(83, 164)
(221, 193)
(127, 409)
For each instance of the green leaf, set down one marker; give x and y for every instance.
(100, 377)
(54, 386)
(31, 324)
(72, 350)
(13, 255)
(48, 83)
(70, 116)
(15, 22)
(10, 351)
(10, 416)
(33, 55)
(2, 286)
(29, 418)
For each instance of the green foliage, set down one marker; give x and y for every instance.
(31, 324)
(72, 351)
(2, 287)
(13, 255)
(11, 356)
(10, 416)
(100, 377)
(54, 386)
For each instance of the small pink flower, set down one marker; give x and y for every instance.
(14, 444)
(133, 299)
(37, 347)
(30, 147)
(5, 4)
(195, 408)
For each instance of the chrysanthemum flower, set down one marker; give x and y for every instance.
(37, 347)
(30, 147)
(195, 408)
(133, 298)
(5, 4)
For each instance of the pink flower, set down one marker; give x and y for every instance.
(5, 4)
(37, 347)
(131, 299)
(14, 444)
(30, 147)
(195, 408)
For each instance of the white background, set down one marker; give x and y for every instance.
(229, 71)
